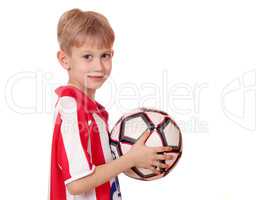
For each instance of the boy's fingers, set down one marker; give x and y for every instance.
(144, 137)
(154, 170)
(159, 164)
(163, 149)
(163, 157)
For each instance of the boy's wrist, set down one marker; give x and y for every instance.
(130, 159)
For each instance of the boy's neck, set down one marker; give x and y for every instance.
(88, 92)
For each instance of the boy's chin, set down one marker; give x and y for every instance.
(93, 86)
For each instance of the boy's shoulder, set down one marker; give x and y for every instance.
(67, 97)
(67, 90)
(72, 97)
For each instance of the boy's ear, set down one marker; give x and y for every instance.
(63, 59)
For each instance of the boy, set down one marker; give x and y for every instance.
(82, 167)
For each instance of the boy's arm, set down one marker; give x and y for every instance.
(139, 155)
(102, 174)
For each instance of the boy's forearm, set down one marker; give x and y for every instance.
(102, 174)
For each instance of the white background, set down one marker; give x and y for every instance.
(197, 60)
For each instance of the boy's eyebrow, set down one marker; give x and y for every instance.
(105, 51)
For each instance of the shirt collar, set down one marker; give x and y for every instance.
(91, 104)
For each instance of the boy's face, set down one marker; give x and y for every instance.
(88, 67)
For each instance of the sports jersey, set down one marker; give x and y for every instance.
(80, 142)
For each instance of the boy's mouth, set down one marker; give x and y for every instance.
(96, 76)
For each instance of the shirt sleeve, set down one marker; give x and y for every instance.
(73, 159)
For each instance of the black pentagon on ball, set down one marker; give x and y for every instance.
(146, 120)
(160, 128)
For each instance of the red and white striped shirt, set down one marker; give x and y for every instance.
(80, 143)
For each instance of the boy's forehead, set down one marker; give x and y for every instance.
(93, 43)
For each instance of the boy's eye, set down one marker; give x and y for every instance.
(106, 56)
(88, 56)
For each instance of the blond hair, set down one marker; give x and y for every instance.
(76, 26)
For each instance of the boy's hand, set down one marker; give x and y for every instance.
(148, 157)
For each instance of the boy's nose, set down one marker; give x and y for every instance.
(98, 65)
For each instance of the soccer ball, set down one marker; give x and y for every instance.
(164, 132)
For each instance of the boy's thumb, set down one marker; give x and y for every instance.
(144, 137)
